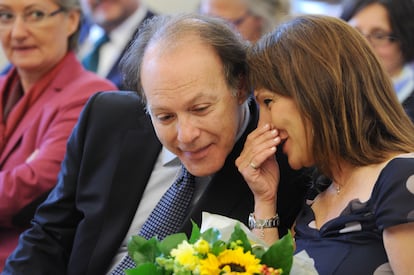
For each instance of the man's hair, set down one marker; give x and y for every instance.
(346, 99)
(167, 31)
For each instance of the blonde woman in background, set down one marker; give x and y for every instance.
(41, 98)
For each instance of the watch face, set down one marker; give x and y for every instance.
(252, 222)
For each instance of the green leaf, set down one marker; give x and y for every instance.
(145, 269)
(195, 233)
(280, 254)
(258, 250)
(170, 242)
(238, 236)
(218, 247)
(135, 242)
(142, 250)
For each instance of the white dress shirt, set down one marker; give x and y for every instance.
(165, 171)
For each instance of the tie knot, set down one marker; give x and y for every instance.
(185, 177)
(185, 173)
(102, 40)
(91, 60)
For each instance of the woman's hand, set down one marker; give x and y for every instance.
(258, 165)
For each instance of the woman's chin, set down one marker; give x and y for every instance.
(294, 164)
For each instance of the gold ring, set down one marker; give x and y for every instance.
(252, 165)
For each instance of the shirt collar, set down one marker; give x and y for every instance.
(404, 82)
(168, 158)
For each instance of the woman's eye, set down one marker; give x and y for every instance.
(267, 101)
(35, 15)
(6, 16)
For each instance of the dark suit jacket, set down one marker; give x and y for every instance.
(115, 75)
(109, 160)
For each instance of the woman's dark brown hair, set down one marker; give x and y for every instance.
(346, 99)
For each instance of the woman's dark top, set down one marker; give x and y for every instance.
(352, 243)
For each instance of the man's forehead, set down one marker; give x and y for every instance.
(187, 44)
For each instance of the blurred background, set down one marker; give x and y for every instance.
(331, 7)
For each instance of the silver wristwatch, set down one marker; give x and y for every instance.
(266, 223)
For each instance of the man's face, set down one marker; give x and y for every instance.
(236, 12)
(109, 13)
(194, 112)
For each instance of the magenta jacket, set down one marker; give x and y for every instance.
(33, 141)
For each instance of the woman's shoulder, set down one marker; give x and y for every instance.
(393, 194)
(397, 173)
(401, 163)
(70, 73)
(402, 158)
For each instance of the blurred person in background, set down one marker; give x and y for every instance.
(40, 100)
(3, 59)
(252, 18)
(389, 27)
(114, 25)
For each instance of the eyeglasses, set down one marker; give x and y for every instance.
(35, 17)
(238, 21)
(380, 38)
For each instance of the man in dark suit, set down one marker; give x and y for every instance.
(118, 21)
(192, 108)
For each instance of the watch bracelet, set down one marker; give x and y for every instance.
(273, 222)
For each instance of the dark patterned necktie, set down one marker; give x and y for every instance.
(91, 60)
(167, 216)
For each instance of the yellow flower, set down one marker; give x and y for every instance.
(231, 262)
(185, 255)
(202, 246)
(210, 265)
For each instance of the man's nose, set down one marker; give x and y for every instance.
(187, 130)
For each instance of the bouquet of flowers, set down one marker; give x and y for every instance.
(211, 251)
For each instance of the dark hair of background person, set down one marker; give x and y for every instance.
(362, 120)
(167, 29)
(400, 13)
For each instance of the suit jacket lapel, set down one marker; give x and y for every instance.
(132, 173)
